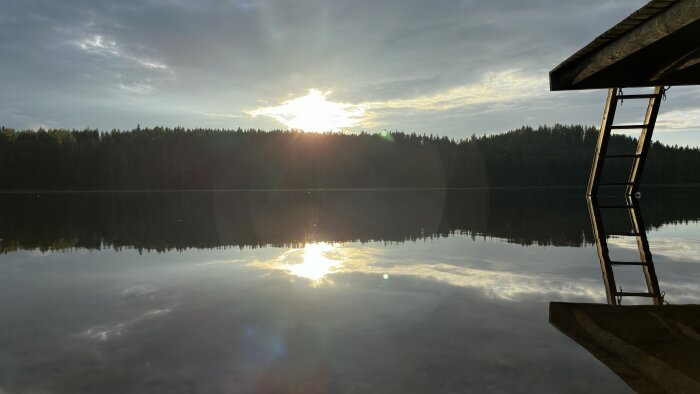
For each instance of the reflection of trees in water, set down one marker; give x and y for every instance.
(164, 221)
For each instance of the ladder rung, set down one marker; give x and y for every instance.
(627, 263)
(616, 206)
(629, 126)
(622, 293)
(637, 96)
(616, 156)
(617, 184)
(630, 234)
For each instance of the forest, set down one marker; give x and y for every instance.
(205, 159)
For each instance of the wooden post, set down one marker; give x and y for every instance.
(644, 250)
(644, 141)
(602, 246)
(602, 145)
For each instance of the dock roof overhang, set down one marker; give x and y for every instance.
(657, 45)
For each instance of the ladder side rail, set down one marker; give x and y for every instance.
(603, 252)
(644, 250)
(602, 144)
(644, 142)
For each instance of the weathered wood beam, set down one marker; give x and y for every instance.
(690, 59)
(602, 144)
(666, 22)
(602, 247)
(644, 142)
(656, 45)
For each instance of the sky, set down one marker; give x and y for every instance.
(450, 67)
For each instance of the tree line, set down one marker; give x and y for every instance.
(178, 158)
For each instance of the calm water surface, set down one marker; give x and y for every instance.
(335, 291)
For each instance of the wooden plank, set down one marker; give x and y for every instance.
(644, 142)
(633, 294)
(620, 156)
(657, 45)
(629, 126)
(666, 22)
(635, 96)
(602, 145)
(642, 344)
(690, 59)
(644, 251)
(602, 247)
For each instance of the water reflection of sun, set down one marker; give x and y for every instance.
(317, 262)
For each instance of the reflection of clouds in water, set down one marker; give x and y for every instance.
(137, 294)
(431, 326)
(676, 249)
(224, 261)
(681, 293)
(680, 286)
(139, 291)
(317, 261)
(105, 333)
(314, 261)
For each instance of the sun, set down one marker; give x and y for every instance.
(314, 113)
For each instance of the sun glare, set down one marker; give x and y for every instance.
(314, 113)
(315, 264)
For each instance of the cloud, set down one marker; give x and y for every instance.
(316, 113)
(452, 68)
(676, 249)
(494, 87)
(216, 115)
(136, 87)
(313, 112)
(678, 120)
(99, 45)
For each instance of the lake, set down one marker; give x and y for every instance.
(396, 291)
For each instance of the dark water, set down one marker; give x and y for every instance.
(322, 291)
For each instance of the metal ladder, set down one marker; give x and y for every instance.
(639, 157)
(606, 264)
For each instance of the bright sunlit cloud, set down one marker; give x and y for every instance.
(494, 87)
(99, 45)
(320, 260)
(443, 69)
(679, 120)
(314, 112)
(316, 262)
(677, 249)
